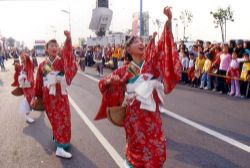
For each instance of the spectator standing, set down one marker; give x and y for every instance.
(199, 63)
(205, 79)
(245, 77)
(234, 73)
(191, 68)
(225, 59)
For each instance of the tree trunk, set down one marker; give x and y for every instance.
(222, 32)
(225, 30)
(184, 33)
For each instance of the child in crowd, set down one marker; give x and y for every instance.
(245, 76)
(234, 73)
(190, 70)
(199, 63)
(205, 79)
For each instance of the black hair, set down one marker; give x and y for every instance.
(247, 44)
(129, 41)
(51, 41)
(128, 56)
(191, 54)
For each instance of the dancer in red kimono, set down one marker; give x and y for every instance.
(53, 76)
(151, 73)
(24, 78)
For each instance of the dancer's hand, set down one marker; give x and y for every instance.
(67, 34)
(167, 11)
(154, 34)
(33, 102)
(113, 79)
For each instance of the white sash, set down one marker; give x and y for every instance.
(50, 81)
(142, 90)
(22, 80)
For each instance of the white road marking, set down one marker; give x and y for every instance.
(200, 127)
(108, 147)
(209, 131)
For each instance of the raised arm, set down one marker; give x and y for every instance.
(165, 59)
(70, 67)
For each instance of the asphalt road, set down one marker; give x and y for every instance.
(30, 146)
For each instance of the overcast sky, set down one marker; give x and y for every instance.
(29, 20)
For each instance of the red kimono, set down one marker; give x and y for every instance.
(146, 144)
(28, 70)
(57, 104)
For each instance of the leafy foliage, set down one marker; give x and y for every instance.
(221, 16)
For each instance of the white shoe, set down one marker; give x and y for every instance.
(62, 153)
(29, 119)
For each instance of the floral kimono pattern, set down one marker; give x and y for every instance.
(55, 98)
(159, 73)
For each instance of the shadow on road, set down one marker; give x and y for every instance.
(42, 134)
(199, 157)
(78, 160)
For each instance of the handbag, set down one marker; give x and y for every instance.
(116, 115)
(17, 91)
(39, 105)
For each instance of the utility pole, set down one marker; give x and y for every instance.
(140, 17)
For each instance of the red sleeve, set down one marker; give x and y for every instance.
(168, 62)
(112, 94)
(70, 67)
(38, 89)
(17, 73)
(30, 71)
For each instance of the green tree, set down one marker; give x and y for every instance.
(186, 18)
(221, 16)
